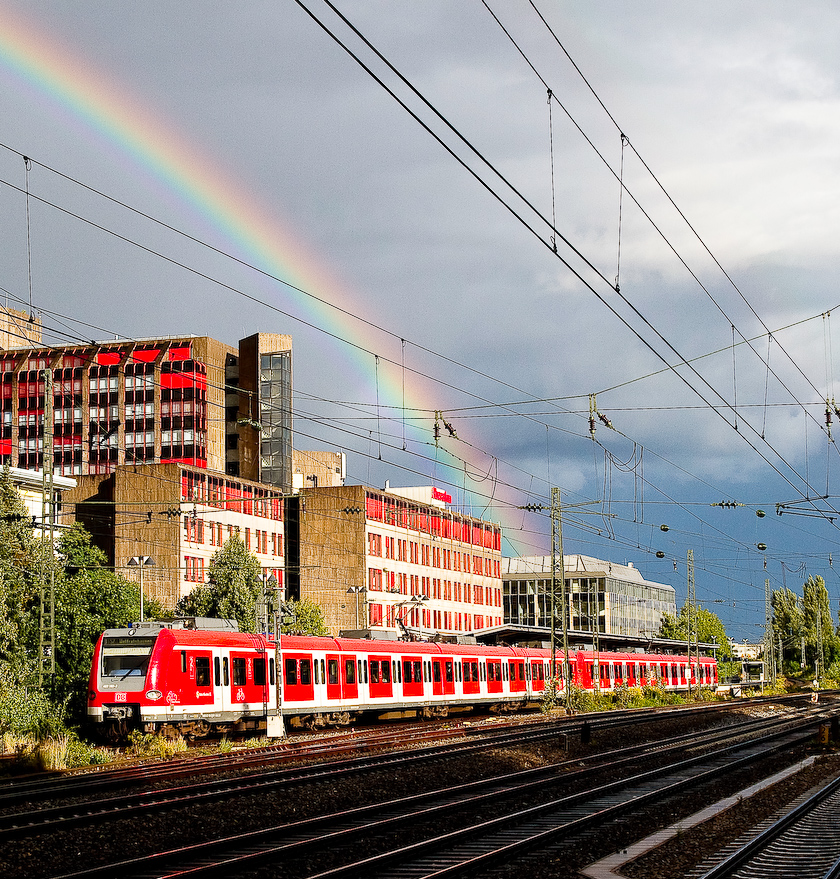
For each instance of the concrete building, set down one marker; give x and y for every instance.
(18, 328)
(603, 597)
(387, 562)
(35, 496)
(187, 399)
(314, 469)
(178, 516)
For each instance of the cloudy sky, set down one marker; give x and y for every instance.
(209, 169)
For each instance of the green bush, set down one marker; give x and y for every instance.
(29, 711)
(155, 746)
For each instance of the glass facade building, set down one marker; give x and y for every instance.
(602, 597)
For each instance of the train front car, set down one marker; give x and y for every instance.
(171, 678)
(117, 686)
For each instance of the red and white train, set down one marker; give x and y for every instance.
(192, 678)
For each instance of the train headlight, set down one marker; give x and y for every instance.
(91, 695)
(153, 695)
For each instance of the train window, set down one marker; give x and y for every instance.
(374, 671)
(332, 667)
(436, 670)
(386, 672)
(259, 670)
(448, 672)
(365, 666)
(350, 671)
(291, 672)
(323, 678)
(183, 662)
(271, 671)
(315, 670)
(217, 672)
(418, 674)
(226, 671)
(407, 670)
(239, 673)
(305, 672)
(202, 671)
(397, 670)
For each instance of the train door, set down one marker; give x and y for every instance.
(298, 679)
(537, 675)
(196, 666)
(246, 687)
(448, 677)
(412, 676)
(494, 676)
(469, 675)
(517, 675)
(380, 676)
(341, 677)
(437, 677)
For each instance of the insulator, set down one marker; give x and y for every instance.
(760, 513)
(663, 527)
(660, 554)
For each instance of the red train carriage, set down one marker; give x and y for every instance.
(196, 677)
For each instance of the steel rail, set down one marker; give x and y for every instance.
(806, 847)
(474, 850)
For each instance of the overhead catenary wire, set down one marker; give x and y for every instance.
(671, 367)
(660, 186)
(547, 243)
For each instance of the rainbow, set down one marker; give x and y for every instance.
(101, 105)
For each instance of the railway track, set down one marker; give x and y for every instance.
(803, 843)
(489, 822)
(334, 747)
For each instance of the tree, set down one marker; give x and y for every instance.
(89, 598)
(303, 617)
(788, 622)
(233, 588)
(818, 627)
(22, 570)
(710, 629)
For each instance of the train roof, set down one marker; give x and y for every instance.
(176, 636)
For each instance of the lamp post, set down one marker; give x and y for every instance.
(356, 590)
(141, 561)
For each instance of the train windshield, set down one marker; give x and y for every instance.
(126, 657)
